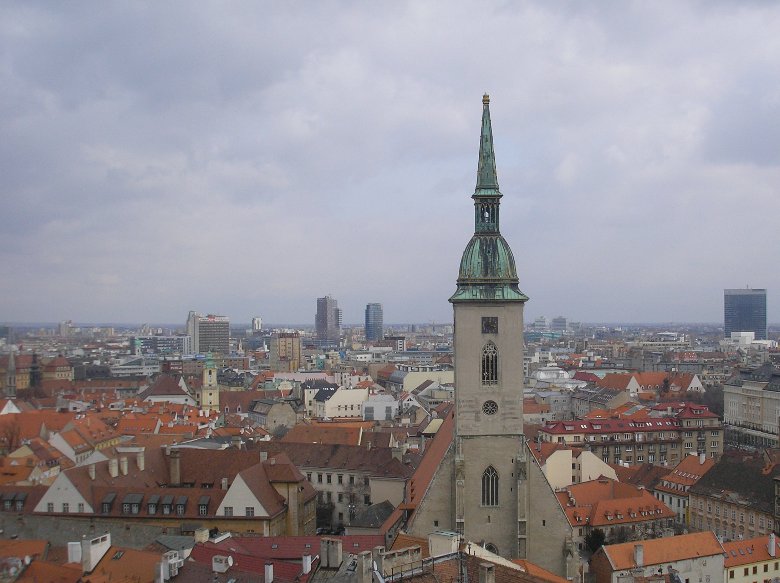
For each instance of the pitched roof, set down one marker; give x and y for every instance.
(606, 502)
(377, 461)
(664, 550)
(450, 567)
(645, 475)
(259, 484)
(164, 385)
(685, 474)
(740, 478)
(752, 550)
(35, 548)
(124, 564)
(616, 381)
(323, 434)
(373, 516)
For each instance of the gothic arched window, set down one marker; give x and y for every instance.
(489, 367)
(490, 487)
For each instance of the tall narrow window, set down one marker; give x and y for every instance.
(489, 364)
(490, 487)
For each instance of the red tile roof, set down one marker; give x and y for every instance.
(752, 550)
(664, 550)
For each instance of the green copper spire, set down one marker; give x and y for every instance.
(487, 268)
(487, 179)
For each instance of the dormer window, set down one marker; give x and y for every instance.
(108, 501)
(151, 505)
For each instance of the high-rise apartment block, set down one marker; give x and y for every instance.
(209, 333)
(744, 310)
(374, 323)
(257, 324)
(327, 321)
(559, 324)
(285, 352)
(164, 345)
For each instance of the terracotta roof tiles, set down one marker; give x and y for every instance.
(664, 550)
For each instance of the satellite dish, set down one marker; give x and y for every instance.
(230, 561)
(27, 559)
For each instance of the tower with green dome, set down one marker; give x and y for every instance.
(490, 493)
(487, 487)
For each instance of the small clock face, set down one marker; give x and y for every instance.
(489, 325)
(489, 407)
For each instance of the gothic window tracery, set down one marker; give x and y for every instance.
(490, 487)
(489, 368)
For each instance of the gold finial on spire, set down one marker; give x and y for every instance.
(485, 99)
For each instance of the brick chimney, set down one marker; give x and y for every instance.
(175, 467)
(639, 555)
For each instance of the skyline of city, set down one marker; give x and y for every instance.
(137, 187)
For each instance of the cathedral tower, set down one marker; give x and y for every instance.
(491, 495)
(488, 487)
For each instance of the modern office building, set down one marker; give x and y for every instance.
(374, 323)
(327, 321)
(209, 333)
(744, 310)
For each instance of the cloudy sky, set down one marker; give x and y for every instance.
(244, 158)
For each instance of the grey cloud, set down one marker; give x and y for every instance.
(246, 158)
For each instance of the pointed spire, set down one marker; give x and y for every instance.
(487, 179)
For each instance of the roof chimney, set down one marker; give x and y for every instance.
(365, 569)
(140, 459)
(91, 470)
(113, 467)
(702, 457)
(175, 467)
(306, 563)
(772, 546)
(263, 456)
(269, 572)
(639, 555)
(487, 573)
(123, 465)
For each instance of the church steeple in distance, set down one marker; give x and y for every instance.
(487, 268)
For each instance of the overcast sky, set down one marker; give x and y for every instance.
(244, 158)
